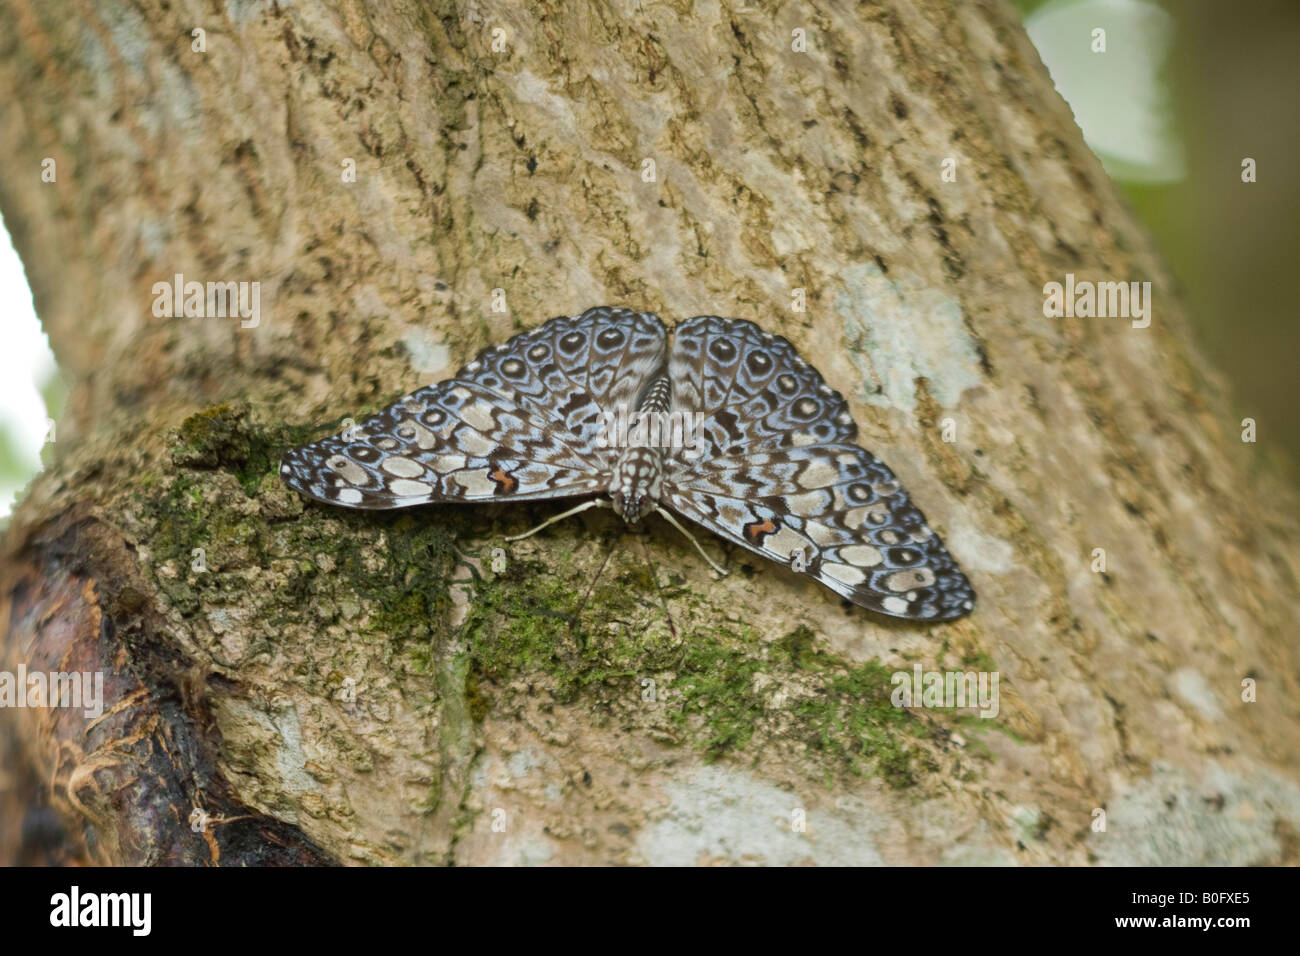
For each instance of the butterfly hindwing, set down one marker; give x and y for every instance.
(838, 514)
(775, 470)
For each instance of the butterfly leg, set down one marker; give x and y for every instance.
(594, 503)
(673, 521)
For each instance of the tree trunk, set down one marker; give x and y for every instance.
(287, 682)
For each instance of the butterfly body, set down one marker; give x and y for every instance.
(729, 427)
(638, 481)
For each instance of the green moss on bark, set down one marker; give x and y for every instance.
(529, 631)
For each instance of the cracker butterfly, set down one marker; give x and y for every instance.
(771, 464)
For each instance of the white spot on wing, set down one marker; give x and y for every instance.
(479, 415)
(404, 488)
(784, 542)
(402, 467)
(843, 572)
(475, 482)
(820, 533)
(475, 444)
(863, 555)
(349, 469)
(894, 605)
(809, 503)
(906, 580)
(817, 474)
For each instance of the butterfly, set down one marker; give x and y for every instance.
(728, 427)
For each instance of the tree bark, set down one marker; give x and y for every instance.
(286, 682)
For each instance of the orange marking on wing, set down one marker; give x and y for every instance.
(756, 531)
(504, 479)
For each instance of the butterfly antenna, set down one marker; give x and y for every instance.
(594, 503)
(673, 521)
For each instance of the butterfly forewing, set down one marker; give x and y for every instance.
(754, 390)
(570, 370)
(520, 421)
(454, 441)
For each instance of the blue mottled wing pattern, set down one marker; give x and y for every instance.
(754, 389)
(520, 422)
(570, 370)
(779, 475)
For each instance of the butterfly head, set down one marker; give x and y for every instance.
(636, 483)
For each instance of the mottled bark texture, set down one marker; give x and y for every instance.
(328, 685)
